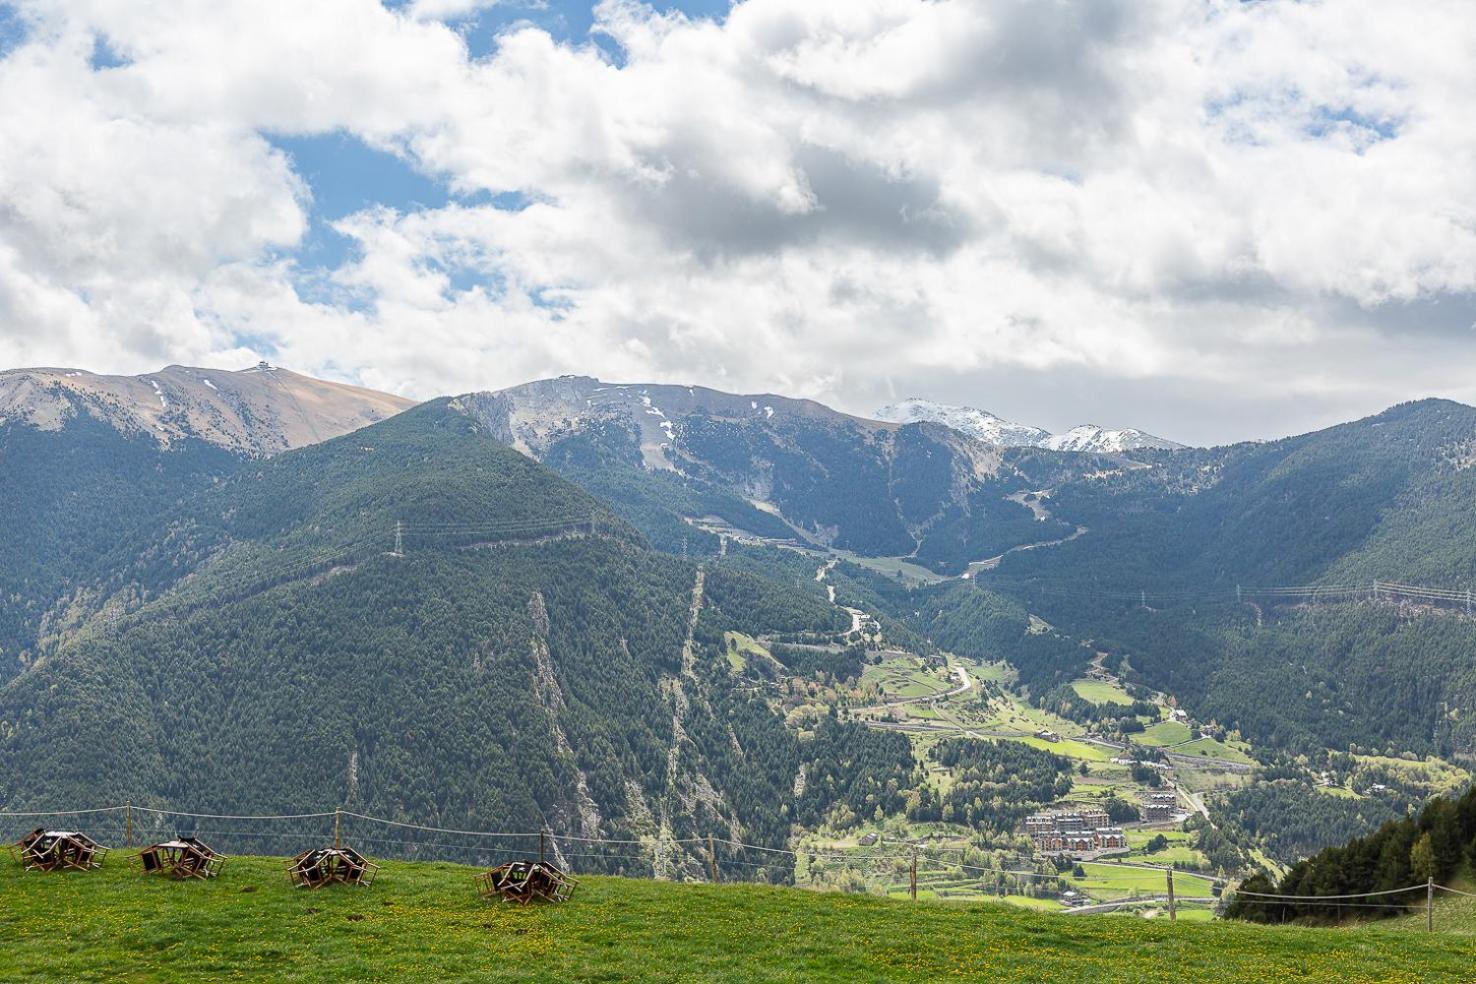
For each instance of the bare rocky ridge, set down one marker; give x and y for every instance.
(535, 415)
(797, 460)
(259, 411)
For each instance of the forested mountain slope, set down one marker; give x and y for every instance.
(89, 461)
(1169, 572)
(1388, 496)
(524, 659)
(1437, 845)
(69, 496)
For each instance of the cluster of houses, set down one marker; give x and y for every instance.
(1088, 833)
(1160, 807)
(1084, 835)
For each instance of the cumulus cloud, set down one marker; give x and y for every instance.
(1211, 219)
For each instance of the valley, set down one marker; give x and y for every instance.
(737, 490)
(652, 614)
(942, 696)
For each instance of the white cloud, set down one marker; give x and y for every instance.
(447, 9)
(1238, 209)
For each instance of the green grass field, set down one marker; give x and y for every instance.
(1069, 747)
(906, 676)
(1163, 733)
(1099, 692)
(1178, 849)
(740, 647)
(422, 922)
(1210, 748)
(1114, 881)
(897, 567)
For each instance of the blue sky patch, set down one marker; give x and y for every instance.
(13, 29)
(104, 55)
(346, 175)
(1368, 129)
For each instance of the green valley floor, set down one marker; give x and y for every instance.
(424, 922)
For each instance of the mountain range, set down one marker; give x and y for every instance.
(687, 465)
(1004, 433)
(537, 591)
(415, 620)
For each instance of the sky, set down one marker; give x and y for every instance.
(1212, 220)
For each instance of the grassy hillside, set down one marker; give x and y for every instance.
(424, 922)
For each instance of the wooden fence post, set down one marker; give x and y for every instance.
(912, 876)
(542, 840)
(338, 826)
(712, 859)
(1173, 909)
(128, 812)
(1430, 905)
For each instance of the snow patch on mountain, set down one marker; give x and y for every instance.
(1090, 437)
(992, 429)
(976, 423)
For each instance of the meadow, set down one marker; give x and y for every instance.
(423, 922)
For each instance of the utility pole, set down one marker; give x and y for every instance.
(1173, 910)
(712, 859)
(1143, 598)
(399, 538)
(338, 827)
(912, 875)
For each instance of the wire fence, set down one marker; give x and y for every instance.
(904, 871)
(1415, 902)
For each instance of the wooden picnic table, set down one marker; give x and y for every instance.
(51, 850)
(183, 857)
(323, 866)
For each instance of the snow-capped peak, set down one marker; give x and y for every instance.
(996, 430)
(1090, 437)
(969, 420)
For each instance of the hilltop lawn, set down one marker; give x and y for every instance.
(1100, 692)
(422, 922)
(1163, 733)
